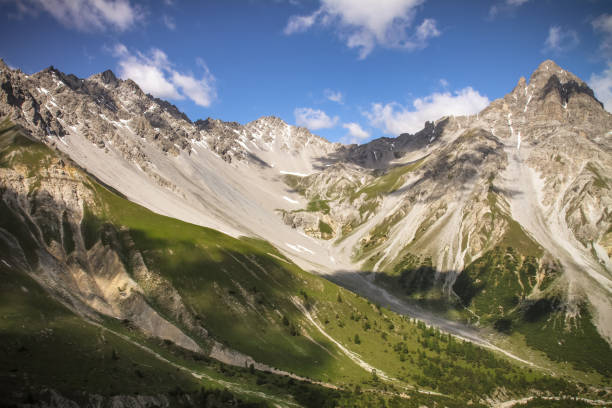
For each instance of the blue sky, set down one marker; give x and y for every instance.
(350, 70)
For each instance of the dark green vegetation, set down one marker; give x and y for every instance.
(576, 340)
(317, 205)
(421, 355)
(416, 276)
(497, 282)
(495, 287)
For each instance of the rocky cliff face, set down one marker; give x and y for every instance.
(49, 204)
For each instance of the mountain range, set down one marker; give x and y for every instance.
(148, 259)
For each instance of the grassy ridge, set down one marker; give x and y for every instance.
(387, 183)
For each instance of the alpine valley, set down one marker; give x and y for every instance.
(148, 260)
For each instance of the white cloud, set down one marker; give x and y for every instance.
(603, 24)
(334, 96)
(155, 74)
(394, 119)
(560, 40)
(199, 91)
(364, 24)
(506, 6)
(355, 133)
(444, 83)
(602, 86)
(298, 24)
(313, 119)
(427, 29)
(169, 22)
(88, 15)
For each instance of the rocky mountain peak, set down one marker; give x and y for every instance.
(551, 96)
(271, 120)
(548, 69)
(106, 78)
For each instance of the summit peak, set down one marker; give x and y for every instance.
(549, 68)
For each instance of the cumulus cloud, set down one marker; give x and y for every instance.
(156, 75)
(506, 6)
(334, 96)
(87, 15)
(355, 134)
(364, 24)
(560, 40)
(314, 119)
(602, 86)
(394, 118)
(603, 25)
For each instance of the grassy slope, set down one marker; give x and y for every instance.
(233, 280)
(44, 345)
(389, 182)
(41, 342)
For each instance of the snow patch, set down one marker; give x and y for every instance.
(527, 103)
(290, 200)
(241, 143)
(292, 173)
(510, 124)
(299, 248)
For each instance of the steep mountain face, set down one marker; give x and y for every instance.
(502, 218)
(528, 173)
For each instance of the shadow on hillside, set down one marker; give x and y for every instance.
(231, 286)
(387, 292)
